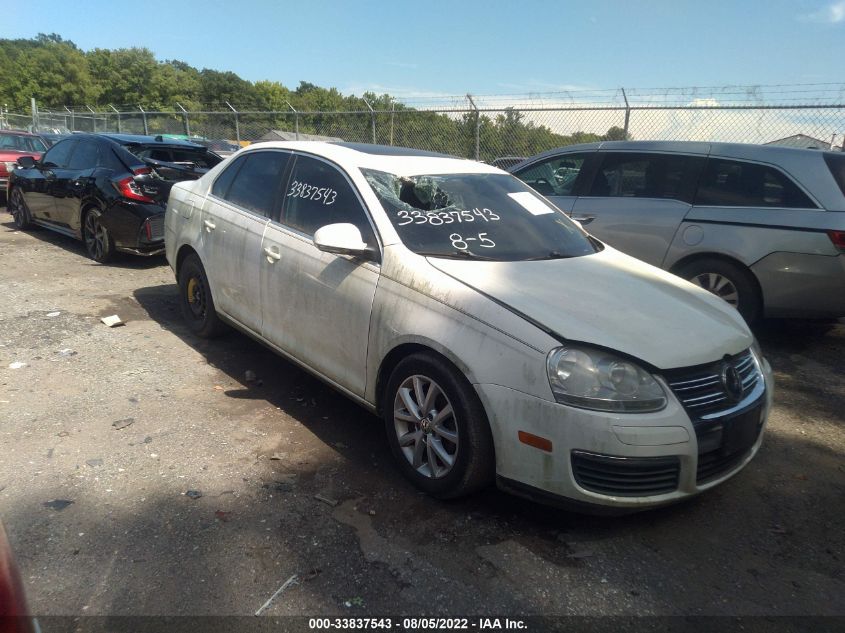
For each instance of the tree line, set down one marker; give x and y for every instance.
(56, 72)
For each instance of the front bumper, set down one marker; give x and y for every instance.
(664, 438)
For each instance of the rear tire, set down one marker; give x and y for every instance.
(735, 284)
(98, 241)
(437, 429)
(20, 211)
(196, 302)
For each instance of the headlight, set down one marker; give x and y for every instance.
(595, 379)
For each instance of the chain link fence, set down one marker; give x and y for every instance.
(490, 127)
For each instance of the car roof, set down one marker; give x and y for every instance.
(739, 150)
(141, 139)
(397, 160)
(18, 133)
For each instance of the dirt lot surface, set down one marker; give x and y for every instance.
(102, 520)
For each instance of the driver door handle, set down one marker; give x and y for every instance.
(583, 219)
(209, 225)
(272, 255)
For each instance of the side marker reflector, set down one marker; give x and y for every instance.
(535, 440)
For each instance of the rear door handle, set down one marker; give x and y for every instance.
(209, 225)
(272, 255)
(583, 219)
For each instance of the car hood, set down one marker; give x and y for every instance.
(612, 300)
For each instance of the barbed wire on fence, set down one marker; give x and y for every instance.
(489, 126)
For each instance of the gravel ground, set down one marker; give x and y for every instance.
(205, 501)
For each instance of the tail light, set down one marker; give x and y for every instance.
(128, 188)
(838, 239)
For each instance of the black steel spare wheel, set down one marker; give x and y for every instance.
(195, 300)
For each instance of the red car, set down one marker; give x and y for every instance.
(14, 614)
(13, 145)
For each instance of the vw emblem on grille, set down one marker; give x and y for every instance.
(731, 382)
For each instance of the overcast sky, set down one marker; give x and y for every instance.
(458, 46)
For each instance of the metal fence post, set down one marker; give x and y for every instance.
(392, 115)
(237, 123)
(627, 113)
(477, 127)
(295, 119)
(93, 118)
(144, 119)
(185, 119)
(372, 118)
(119, 129)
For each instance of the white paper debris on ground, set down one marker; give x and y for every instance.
(17, 365)
(112, 321)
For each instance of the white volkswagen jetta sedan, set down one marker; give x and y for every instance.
(495, 337)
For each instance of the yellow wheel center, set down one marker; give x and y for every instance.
(192, 289)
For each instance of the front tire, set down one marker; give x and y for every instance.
(734, 284)
(195, 300)
(98, 241)
(20, 211)
(437, 429)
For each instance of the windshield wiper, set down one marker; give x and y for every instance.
(456, 254)
(550, 255)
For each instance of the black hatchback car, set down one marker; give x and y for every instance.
(109, 190)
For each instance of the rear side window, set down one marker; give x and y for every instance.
(58, 155)
(85, 156)
(554, 176)
(630, 175)
(257, 182)
(836, 165)
(318, 194)
(730, 183)
(221, 186)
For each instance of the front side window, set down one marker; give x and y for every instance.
(59, 154)
(730, 183)
(318, 194)
(256, 183)
(554, 176)
(629, 175)
(476, 216)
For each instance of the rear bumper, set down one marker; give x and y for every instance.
(802, 285)
(127, 222)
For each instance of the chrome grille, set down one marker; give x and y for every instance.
(700, 389)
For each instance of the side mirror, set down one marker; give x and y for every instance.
(342, 239)
(27, 162)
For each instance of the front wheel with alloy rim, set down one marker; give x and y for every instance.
(436, 427)
(733, 284)
(96, 236)
(20, 211)
(195, 300)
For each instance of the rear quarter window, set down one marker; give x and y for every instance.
(836, 165)
(731, 183)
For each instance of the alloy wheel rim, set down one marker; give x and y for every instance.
(95, 236)
(16, 205)
(425, 425)
(719, 285)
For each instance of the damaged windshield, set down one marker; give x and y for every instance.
(476, 216)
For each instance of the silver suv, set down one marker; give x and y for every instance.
(762, 227)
